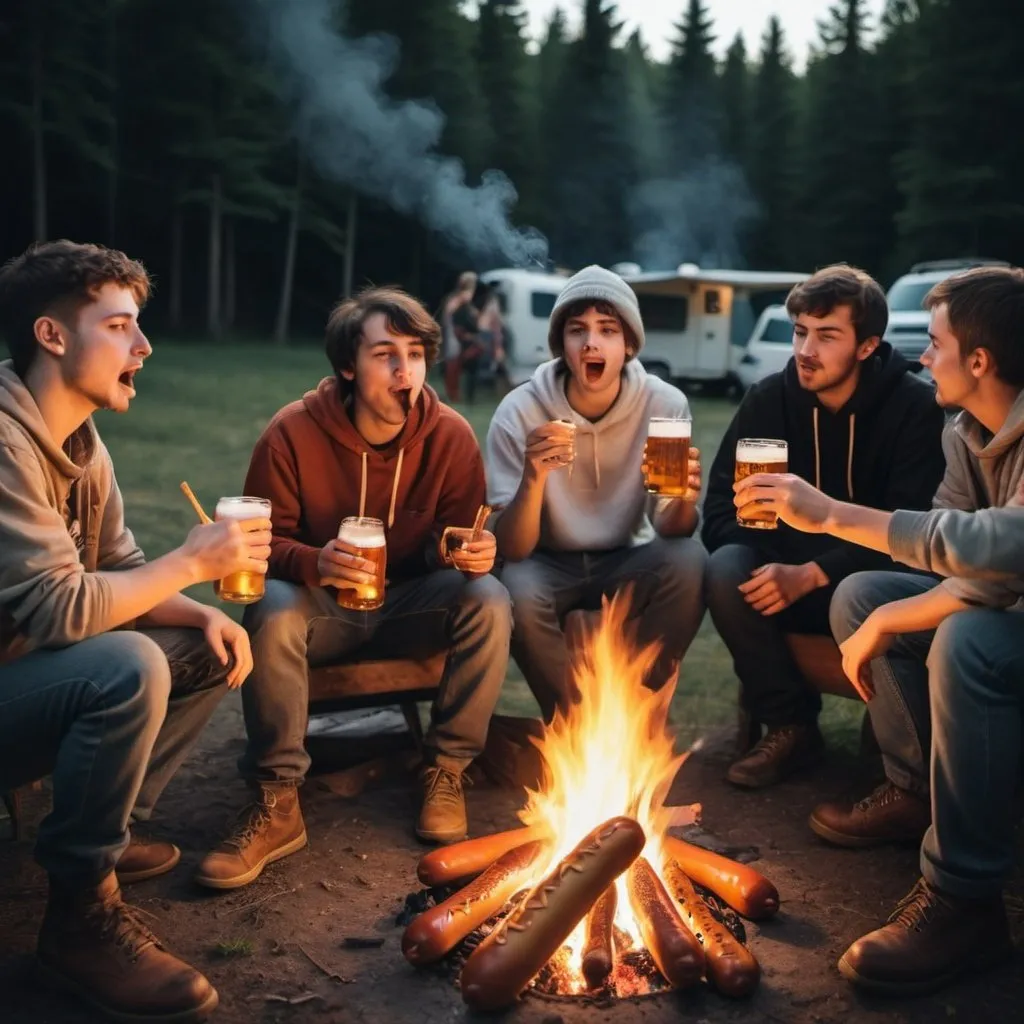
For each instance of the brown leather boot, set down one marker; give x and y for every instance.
(442, 816)
(95, 946)
(782, 751)
(146, 858)
(887, 815)
(267, 830)
(931, 938)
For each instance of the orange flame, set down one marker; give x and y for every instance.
(610, 753)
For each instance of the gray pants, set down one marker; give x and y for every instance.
(773, 692)
(294, 628)
(667, 576)
(947, 713)
(111, 718)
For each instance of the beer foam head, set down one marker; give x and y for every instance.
(759, 449)
(362, 533)
(242, 508)
(669, 428)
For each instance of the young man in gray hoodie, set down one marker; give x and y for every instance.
(565, 456)
(108, 709)
(954, 919)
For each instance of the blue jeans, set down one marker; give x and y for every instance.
(111, 718)
(294, 628)
(667, 576)
(947, 712)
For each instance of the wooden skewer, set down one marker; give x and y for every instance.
(478, 524)
(187, 491)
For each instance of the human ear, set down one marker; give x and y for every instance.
(50, 336)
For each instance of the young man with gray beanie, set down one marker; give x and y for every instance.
(565, 459)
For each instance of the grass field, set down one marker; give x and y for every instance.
(198, 413)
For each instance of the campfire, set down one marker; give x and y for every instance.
(592, 894)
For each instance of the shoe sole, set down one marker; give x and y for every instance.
(748, 782)
(298, 843)
(444, 838)
(830, 835)
(923, 988)
(54, 979)
(130, 877)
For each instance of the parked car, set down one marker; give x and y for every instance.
(769, 347)
(908, 319)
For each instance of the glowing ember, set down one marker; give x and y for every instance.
(610, 754)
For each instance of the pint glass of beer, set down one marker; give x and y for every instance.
(241, 587)
(367, 534)
(760, 455)
(570, 457)
(668, 457)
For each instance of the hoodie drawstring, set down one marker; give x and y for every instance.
(849, 454)
(817, 452)
(597, 465)
(394, 487)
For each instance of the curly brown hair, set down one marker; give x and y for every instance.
(403, 315)
(57, 279)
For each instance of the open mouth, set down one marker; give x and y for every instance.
(127, 379)
(593, 369)
(404, 399)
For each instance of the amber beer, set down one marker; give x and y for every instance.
(668, 457)
(760, 455)
(247, 586)
(367, 534)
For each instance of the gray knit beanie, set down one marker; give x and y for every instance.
(601, 285)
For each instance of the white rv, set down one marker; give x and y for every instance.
(698, 321)
(526, 298)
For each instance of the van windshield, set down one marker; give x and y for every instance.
(908, 296)
(541, 304)
(778, 330)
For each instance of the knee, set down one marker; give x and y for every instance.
(531, 597)
(854, 600)
(487, 597)
(726, 569)
(682, 568)
(281, 614)
(957, 654)
(142, 674)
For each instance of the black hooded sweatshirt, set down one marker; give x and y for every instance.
(883, 449)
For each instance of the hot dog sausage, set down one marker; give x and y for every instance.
(449, 864)
(731, 967)
(503, 964)
(675, 949)
(745, 890)
(598, 952)
(434, 932)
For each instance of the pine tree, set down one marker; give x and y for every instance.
(735, 93)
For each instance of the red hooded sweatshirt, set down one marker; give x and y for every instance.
(314, 465)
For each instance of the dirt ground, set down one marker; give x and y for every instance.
(291, 962)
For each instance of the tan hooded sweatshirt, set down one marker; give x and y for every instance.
(61, 520)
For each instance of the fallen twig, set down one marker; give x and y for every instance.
(256, 903)
(333, 975)
(363, 941)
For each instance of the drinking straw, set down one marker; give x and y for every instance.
(187, 491)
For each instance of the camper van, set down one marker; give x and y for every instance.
(526, 299)
(697, 322)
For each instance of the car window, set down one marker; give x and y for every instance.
(908, 296)
(541, 304)
(778, 331)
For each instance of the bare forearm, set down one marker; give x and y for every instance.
(676, 519)
(517, 529)
(920, 613)
(140, 592)
(868, 527)
(178, 610)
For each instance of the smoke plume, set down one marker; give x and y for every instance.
(357, 135)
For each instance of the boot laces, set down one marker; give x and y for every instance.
(125, 925)
(772, 741)
(442, 786)
(252, 820)
(919, 907)
(883, 795)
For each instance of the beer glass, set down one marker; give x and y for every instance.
(759, 455)
(564, 460)
(247, 586)
(668, 456)
(366, 534)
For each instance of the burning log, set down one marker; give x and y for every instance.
(438, 930)
(675, 949)
(598, 946)
(448, 864)
(503, 964)
(731, 967)
(744, 889)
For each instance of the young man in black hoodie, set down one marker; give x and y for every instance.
(861, 427)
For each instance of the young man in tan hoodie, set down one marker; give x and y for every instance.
(374, 439)
(108, 709)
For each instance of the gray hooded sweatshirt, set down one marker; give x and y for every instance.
(983, 471)
(600, 503)
(61, 519)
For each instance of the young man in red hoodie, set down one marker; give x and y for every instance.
(372, 439)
